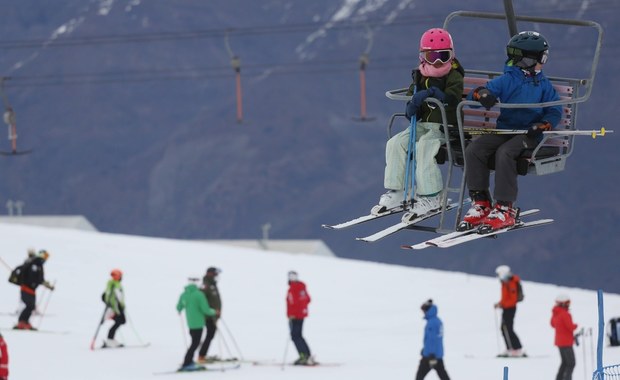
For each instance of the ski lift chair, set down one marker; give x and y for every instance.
(552, 152)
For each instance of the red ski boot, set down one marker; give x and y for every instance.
(475, 215)
(502, 216)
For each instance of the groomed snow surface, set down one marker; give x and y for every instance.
(363, 315)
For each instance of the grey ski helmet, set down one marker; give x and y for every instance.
(528, 48)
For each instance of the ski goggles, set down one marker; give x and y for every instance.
(434, 56)
(539, 57)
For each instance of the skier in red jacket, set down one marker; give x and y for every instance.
(4, 360)
(562, 322)
(297, 300)
(508, 304)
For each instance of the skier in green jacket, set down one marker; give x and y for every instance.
(197, 309)
(114, 298)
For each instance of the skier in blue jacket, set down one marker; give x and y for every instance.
(432, 352)
(522, 82)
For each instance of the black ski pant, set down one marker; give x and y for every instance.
(296, 326)
(211, 328)
(508, 332)
(30, 300)
(196, 334)
(568, 363)
(507, 148)
(425, 367)
(119, 319)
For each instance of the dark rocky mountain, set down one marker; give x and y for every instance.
(129, 108)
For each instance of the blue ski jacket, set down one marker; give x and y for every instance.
(433, 334)
(514, 86)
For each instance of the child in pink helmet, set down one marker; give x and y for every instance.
(439, 75)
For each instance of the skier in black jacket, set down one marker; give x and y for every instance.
(30, 278)
(210, 290)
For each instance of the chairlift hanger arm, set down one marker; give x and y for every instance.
(544, 20)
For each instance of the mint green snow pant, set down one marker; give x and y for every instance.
(428, 179)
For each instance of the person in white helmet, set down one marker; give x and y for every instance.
(562, 322)
(508, 303)
(297, 300)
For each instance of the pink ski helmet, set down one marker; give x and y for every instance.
(436, 39)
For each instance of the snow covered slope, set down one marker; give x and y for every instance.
(363, 315)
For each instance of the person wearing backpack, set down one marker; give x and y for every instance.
(16, 276)
(511, 283)
(562, 322)
(30, 277)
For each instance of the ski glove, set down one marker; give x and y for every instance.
(436, 93)
(48, 285)
(418, 99)
(537, 129)
(485, 97)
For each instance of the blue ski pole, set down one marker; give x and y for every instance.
(410, 170)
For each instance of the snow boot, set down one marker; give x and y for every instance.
(478, 211)
(422, 205)
(502, 216)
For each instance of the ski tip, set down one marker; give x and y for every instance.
(406, 246)
(327, 226)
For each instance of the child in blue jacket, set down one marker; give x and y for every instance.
(522, 82)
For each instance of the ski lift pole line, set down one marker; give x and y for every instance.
(510, 18)
(9, 116)
(235, 62)
(364, 60)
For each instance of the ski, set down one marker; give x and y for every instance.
(201, 368)
(475, 236)
(449, 236)
(139, 345)
(363, 219)
(402, 225)
(58, 332)
(276, 364)
(502, 356)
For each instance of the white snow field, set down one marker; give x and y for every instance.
(363, 315)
